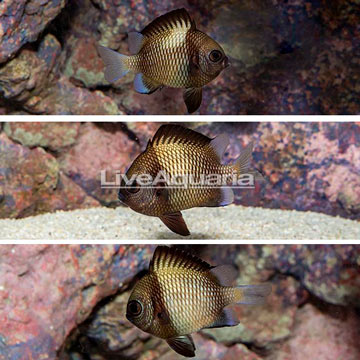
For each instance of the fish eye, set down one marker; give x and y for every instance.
(215, 56)
(134, 308)
(133, 188)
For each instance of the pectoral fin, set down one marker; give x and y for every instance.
(192, 98)
(176, 223)
(183, 345)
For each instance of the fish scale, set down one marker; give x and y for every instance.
(175, 159)
(184, 293)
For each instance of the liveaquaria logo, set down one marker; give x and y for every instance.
(119, 180)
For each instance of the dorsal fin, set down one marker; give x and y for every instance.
(171, 134)
(174, 19)
(165, 257)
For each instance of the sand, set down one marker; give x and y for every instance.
(232, 222)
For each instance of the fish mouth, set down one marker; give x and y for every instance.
(226, 62)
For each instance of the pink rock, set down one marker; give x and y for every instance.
(323, 335)
(22, 21)
(47, 290)
(54, 136)
(31, 182)
(240, 351)
(99, 147)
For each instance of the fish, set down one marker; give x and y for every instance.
(171, 52)
(182, 294)
(179, 151)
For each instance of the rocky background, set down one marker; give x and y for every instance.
(288, 57)
(46, 167)
(68, 302)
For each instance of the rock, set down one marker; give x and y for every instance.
(47, 290)
(54, 136)
(32, 183)
(99, 147)
(329, 272)
(31, 80)
(64, 98)
(89, 69)
(22, 21)
(240, 351)
(323, 335)
(109, 329)
(304, 164)
(23, 78)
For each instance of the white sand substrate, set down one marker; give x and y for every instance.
(231, 222)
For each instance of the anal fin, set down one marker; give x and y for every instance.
(183, 345)
(226, 318)
(222, 196)
(145, 85)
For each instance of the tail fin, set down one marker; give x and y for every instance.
(116, 64)
(242, 164)
(252, 294)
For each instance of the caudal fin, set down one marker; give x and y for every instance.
(243, 163)
(252, 294)
(116, 64)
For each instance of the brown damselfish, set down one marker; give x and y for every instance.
(181, 152)
(182, 294)
(171, 52)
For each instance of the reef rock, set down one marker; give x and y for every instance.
(100, 147)
(24, 77)
(53, 136)
(31, 182)
(87, 70)
(326, 335)
(22, 21)
(47, 290)
(307, 166)
(331, 272)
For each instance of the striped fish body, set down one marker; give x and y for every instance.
(182, 294)
(166, 58)
(192, 299)
(170, 51)
(181, 153)
(180, 159)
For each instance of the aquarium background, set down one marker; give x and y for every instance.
(46, 167)
(287, 57)
(68, 302)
